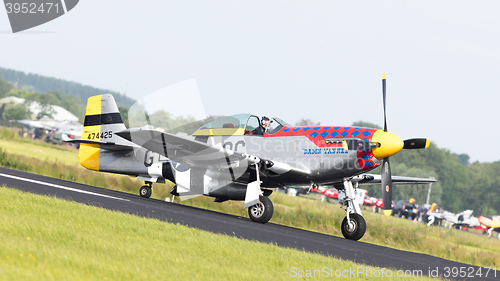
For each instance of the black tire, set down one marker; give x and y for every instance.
(145, 191)
(261, 212)
(357, 231)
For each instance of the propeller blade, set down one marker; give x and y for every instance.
(386, 187)
(416, 143)
(383, 96)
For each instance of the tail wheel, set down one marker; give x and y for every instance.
(356, 229)
(145, 191)
(262, 211)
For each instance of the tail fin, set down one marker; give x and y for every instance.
(102, 121)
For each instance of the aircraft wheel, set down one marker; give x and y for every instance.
(145, 191)
(262, 211)
(356, 230)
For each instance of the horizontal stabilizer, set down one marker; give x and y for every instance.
(377, 179)
(105, 145)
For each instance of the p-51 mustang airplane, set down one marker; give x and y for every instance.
(225, 159)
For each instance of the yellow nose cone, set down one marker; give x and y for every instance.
(390, 144)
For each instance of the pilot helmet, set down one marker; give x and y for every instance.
(264, 120)
(412, 201)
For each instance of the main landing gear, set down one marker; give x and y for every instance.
(145, 190)
(262, 211)
(353, 226)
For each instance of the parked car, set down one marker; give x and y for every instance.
(405, 209)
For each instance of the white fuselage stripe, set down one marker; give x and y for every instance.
(61, 187)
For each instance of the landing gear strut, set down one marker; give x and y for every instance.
(145, 190)
(264, 209)
(353, 226)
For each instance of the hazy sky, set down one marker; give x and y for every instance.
(321, 60)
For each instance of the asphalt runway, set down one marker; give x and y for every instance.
(242, 227)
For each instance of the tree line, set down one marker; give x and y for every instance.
(18, 111)
(42, 84)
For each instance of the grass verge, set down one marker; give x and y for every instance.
(45, 238)
(386, 231)
(34, 149)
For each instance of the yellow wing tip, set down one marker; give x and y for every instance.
(383, 75)
(387, 213)
(427, 143)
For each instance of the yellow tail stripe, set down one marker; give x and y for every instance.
(88, 154)
(94, 105)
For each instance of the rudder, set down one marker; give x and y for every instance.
(102, 120)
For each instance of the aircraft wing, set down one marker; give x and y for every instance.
(377, 179)
(30, 123)
(473, 222)
(183, 149)
(437, 215)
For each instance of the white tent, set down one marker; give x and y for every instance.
(60, 114)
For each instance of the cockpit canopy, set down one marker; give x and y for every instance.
(238, 125)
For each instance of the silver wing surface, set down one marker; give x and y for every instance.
(185, 149)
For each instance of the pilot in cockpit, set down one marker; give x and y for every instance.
(264, 122)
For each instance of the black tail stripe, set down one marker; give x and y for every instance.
(102, 119)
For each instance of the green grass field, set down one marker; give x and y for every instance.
(45, 238)
(35, 150)
(386, 231)
(10, 140)
(291, 211)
